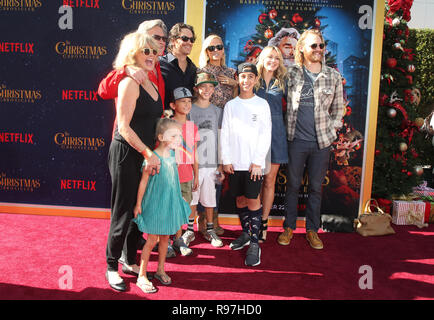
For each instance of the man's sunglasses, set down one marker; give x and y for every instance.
(213, 48)
(148, 51)
(158, 38)
(315, 45)
(185, 39)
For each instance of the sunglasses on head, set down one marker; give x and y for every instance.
(148, 51)
(213, 48)
(315, 45)
(158, 38)
(185, 39)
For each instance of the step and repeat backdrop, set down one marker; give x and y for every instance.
(55, 130)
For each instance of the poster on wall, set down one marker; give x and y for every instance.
(55, 131)
(247, 26)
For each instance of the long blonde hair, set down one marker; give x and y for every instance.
(298, 55)
(203, 56)
(279, 73)
(130, 45)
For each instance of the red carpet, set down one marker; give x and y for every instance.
(34, 248)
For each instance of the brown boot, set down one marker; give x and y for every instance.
(285, 237)
(215, 220)
(201, 223)
(313, 239)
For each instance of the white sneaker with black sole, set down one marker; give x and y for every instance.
(212, 237)
(115, 281)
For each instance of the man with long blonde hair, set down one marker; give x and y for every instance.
(314, 112)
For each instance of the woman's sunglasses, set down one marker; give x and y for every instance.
(148, 51)
(315, 45)
(158, 38)
(213, 48)
(185, 39)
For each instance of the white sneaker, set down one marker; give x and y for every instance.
(114, 278)
(115, 281)
(180, 246)
(185, 251)
(213, 238)
(188, 237)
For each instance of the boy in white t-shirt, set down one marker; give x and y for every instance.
(245, 142)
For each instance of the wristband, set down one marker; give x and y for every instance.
(147, 153)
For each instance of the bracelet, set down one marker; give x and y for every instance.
(147, 153)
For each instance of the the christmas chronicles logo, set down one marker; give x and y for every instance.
(69, 50)
(16, 137)
(67, 142)
(72, 184)
(19, 95)
(18, 184)
(82, 3)
(148, 7)
(17, 47)
(84, 95)
(19, 5)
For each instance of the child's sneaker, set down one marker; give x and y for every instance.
(180, 246)
(212, 237)
(188, 237)
(240, 242)
(253, 255)
(170, 252)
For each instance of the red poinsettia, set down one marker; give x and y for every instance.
(404, 5)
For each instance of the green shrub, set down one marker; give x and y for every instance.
(422, 43)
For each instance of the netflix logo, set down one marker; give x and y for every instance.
(17, 47)
(10, 137)
(85, 95)
(86, 185)
(82, 3)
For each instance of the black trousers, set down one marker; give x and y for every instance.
(124, 166)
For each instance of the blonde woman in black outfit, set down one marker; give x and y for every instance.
(137, 110)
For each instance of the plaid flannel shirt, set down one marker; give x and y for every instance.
(329, 103)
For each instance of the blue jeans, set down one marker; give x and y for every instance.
(305, 153)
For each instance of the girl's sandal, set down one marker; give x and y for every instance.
(164, 279)
(263, 231)
(146, 286)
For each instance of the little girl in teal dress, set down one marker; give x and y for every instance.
(163, 208)
(160, 210)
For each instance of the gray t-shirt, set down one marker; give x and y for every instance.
(208, 121)
(305, 127)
